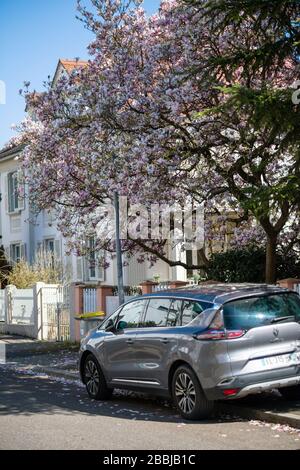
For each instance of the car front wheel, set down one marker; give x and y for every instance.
(188, 395)
(94, 380)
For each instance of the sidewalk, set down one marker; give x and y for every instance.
(60, 360)
(17, 346)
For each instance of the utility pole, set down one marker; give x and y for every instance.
(119, 251)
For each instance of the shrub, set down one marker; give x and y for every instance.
(45, 269)
(5, 268)
(248, 265)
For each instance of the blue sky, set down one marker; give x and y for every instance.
(34, 34)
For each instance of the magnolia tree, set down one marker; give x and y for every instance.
(161, 115)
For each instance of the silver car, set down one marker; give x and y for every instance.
(198, 345)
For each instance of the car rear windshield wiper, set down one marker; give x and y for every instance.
(280, 319)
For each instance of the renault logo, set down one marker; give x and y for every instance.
(276, 332)
(276, 335)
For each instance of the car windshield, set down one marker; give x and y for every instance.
(263, 310)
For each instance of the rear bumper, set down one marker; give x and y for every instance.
(257, 383)
(265, 386)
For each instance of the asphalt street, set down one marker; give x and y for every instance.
(37, 412)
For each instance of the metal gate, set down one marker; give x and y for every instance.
(55, 313)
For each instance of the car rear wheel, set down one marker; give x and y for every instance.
(94, 380)
(188, 395)
(291, 393)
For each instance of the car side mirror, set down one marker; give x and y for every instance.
(122, 325)
(110, 326)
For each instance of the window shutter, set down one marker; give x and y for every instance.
(23, 251)
(21, 202)
(99, 269)
(11, 253)
(79, 266)
(7, 254)
(86, 269)
(38, 251)
(20, 185)
(69, 268)
(9, 193)
(58, 249)
(6, 193)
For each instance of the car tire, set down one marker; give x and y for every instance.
(94, 380)
(188, 395)
(290, 393)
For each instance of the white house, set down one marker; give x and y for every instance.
(23, 239)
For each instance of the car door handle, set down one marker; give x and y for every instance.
(129, 341)
(165, 340)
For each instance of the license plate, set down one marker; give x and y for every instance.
(284, 360)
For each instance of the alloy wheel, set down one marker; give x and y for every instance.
(185, 393)
(92, 378)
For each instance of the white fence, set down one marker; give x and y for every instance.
(89, 300)
(53, 303)
(20, 306)
(41, 312)
(164, 285)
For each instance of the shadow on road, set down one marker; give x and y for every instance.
(22, 394)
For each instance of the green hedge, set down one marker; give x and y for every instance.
(248, 265)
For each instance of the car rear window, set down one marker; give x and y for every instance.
(259, 311)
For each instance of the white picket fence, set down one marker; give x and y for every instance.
(89, 300)
(42, 312)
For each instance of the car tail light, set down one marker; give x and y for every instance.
(233, 334)
(230, 392)
(214, 335)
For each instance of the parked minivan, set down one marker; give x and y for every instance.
(198, 345)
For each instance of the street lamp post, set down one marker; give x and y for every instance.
(119, 251)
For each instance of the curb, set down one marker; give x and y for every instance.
(289, 419)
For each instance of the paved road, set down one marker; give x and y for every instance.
(37, 412)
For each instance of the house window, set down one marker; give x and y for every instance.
(49, 246)
(15, 203)
(15, 252)
(89, 267)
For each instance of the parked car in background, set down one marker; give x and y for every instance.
(198, 345)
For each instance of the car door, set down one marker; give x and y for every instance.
(155, 340)
(119, 351)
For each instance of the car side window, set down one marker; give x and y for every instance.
(131, 315)
(174, 316)
(190, 310)
(111, 318)
(157, 314)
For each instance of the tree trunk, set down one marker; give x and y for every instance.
(271, 259)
